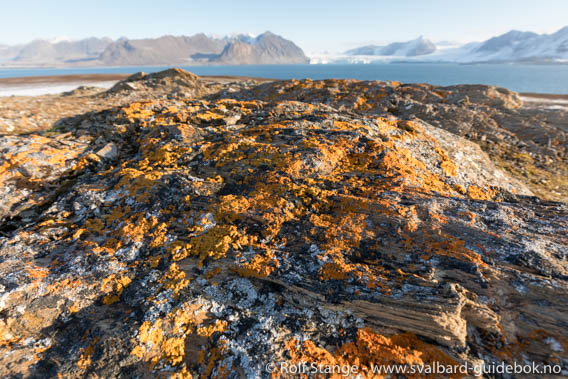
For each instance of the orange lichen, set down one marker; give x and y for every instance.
(86, 355)
(73, 308)
(445, 244)
(37, 272)
(259, 266)
(62, 284)
(138, 183)
(175, 279)
(449, 167)
(173, 350)
(138, 110)
(209, 116)
(208, 330)
(335, 271)
(214, 243)
(166, 340)
(114, 284)
(477, 193)
(369, 350)
(470, 215)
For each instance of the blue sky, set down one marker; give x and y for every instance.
(314, 25)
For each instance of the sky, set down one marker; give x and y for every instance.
(316, 26)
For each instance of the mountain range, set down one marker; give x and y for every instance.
(517, 46)
(266, 48)
(512, 47)
(269, 48)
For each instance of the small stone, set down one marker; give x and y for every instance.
(109, 151)
(232, 120)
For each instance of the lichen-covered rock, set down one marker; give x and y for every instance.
(27, 114)
(170, 80)
(229, 234)
(529, 143)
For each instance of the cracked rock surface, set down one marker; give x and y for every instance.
(207, 238)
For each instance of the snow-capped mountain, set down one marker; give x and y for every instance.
(417, 47)
(516, 46)
(512, 47)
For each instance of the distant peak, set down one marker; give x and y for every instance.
(60, 39)
(564, 30)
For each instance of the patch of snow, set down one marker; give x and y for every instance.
(541, 100)
(48, 89)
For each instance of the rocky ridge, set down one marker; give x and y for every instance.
(180, 236)
(28, 114)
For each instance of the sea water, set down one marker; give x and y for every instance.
(517, 77)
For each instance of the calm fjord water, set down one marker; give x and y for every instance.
(522, 78)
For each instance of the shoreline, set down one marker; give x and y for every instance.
(68, 82)
(544, 96)
(57, 84)
(59, 79)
